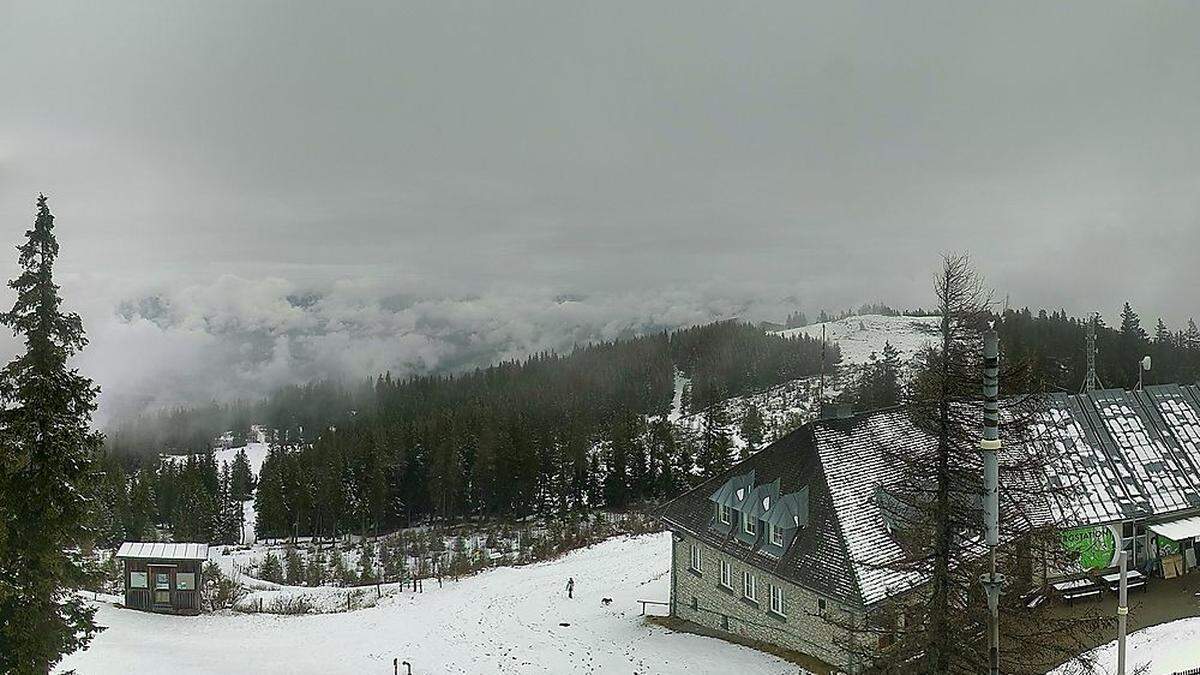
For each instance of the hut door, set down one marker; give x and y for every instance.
(161, 578)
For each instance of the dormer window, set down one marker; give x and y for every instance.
(774, 535)
(749, 524)
(724, 514)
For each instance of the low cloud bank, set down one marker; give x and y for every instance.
(235, 337)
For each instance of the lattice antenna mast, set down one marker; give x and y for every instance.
(821, 380)
(1091, 382)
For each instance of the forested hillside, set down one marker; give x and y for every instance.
(554, 433)
(550, 434)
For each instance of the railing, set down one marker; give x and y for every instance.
(1190, 671)
(652, 602)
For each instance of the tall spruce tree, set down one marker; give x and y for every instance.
(752, 428)
(932, 504)
(47, 450)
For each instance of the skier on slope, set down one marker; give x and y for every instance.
(570, 587)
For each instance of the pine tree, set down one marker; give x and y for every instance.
(269, 507)
(366, 563)
(1191, 337)
(752, 428)
(1131, 325)
(715, 442)
(387, 562)
(338, 571)
(293, 567)
(887, 391)
(270, 569)
(242, 477)
(314, 570)
(1162, 336)
(47, 451)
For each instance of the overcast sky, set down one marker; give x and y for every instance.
(251, 193)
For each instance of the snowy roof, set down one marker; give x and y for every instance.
(1178, 530)
(163, 551)
(1128, 454)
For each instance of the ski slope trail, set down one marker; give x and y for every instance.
(507, 620)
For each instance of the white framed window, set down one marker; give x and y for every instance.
(777, 600)
(727, 574)
(139, 580)
(749, 586)
(749, 524)
(185, 581)
(775, 534)
(724, 514)
(695, 562)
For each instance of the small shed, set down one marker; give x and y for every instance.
(162, 577)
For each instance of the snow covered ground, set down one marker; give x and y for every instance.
(256, 453)
(507, 620)
(858, 336)
(1167, 648)
(790, 404)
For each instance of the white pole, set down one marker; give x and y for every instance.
(1122, 612)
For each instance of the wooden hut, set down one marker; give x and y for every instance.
(163, 577)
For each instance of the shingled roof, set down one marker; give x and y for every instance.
(1129, 454)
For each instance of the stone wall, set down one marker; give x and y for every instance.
(701, 599)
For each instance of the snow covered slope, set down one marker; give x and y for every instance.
(1167, 648)
(255, 454)
(790, 404)
(507, 620)
(858, 336)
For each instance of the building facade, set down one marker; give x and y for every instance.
(163, 577)
(793, 542)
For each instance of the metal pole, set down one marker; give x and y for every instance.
(1122, 613)
(989, 446)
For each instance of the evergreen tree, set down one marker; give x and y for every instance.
(1191, 337)
(752, 428)
(47, 451)
(269, 506)
(887, 391)
(1162, 336)
(293, 567)
(338, 572)
(715, 442)
(366, 563)
(1131, 325)
(387, 562)
(242, 477)
(270, 569)
(314, 570)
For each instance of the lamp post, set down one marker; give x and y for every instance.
(1122, 614)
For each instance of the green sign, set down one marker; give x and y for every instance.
(1167, 546)
(1096, 546)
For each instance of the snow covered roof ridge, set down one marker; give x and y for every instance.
(163, 550)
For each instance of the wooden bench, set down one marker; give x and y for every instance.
(1075, 589)
(1133, 580)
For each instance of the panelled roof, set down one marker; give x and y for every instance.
(163, 551)
(1128, 454)
(1131, 454)
(817, 557)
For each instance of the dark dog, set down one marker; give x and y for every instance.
(606, 601)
